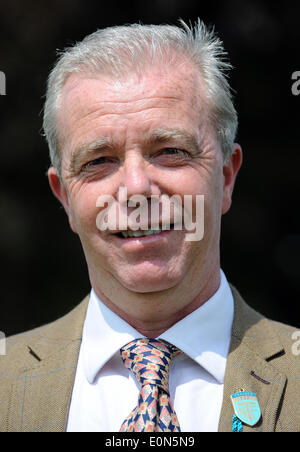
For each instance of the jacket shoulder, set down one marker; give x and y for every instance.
(25, 348)
(47, 356)
(289, 337)
(276, 342)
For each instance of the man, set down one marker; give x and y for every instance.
(146, 111)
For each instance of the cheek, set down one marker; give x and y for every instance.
(84, 210)
(212, 189)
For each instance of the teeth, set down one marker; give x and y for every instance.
(127, 234)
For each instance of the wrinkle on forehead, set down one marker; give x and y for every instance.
(83, 98)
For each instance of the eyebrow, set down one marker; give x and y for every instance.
(158, 136)
(161, 136)
(81, 151)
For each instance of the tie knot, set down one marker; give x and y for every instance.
(149, 360)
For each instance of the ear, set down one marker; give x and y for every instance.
(61, 193)
(230, 170)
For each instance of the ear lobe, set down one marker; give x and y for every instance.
(230, 171)
(60, 192)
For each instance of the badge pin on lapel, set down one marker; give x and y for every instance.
(246, 407)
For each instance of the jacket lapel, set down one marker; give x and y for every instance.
(42, 390)
(251, 366)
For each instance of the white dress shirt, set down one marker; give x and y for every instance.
(105, 392)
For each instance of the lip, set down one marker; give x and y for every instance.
(144, 240)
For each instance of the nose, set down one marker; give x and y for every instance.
(137, 179)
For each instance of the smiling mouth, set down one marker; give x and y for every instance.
(142, 233)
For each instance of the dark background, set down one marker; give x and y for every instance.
(43, 272)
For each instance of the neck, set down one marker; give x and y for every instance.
(151, 314)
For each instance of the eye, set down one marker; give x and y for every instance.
(173, 154)
(174, 151)
(96, 162)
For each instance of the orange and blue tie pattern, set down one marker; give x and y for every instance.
(149, 360)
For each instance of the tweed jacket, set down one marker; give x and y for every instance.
(37, 373)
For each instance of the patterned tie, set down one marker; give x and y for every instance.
(149, 360)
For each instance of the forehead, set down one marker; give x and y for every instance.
(183, 81)
(91, 101)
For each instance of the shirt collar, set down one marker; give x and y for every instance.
(104, 333)
(204, 335)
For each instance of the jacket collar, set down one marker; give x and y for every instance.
(251, 365)
(42, 389)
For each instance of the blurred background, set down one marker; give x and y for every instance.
(43, 272)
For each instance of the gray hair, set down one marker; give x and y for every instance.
(115, 51)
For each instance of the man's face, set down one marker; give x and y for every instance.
(150, 135)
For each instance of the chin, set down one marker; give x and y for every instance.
(149, 285)
(151, 276)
